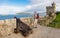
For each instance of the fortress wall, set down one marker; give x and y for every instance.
(28, 21)
(7, 26)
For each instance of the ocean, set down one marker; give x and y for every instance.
(3, 17)
(23, 15)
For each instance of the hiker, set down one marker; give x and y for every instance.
(36, 17)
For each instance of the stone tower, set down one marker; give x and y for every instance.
(53, 5)
(50, 9)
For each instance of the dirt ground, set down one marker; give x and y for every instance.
(39, 32)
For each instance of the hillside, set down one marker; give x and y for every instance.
(56, 22)
(23, 13)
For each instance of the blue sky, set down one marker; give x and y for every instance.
(12, 6)
(28, 6)
(14, 2)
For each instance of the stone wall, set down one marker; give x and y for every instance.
(7, 26)
(46, 20)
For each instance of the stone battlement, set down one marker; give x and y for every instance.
(7, 26)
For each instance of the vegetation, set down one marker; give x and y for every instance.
(51, 21)
(56, 22)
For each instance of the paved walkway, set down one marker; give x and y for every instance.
(40, 32)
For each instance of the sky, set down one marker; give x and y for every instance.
(27, 6)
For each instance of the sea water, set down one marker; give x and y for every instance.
(3, 17)
(23, 15)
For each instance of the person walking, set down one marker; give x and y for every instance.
(36, 17)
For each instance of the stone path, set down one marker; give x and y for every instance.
(40, 32)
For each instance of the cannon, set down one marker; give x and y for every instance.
(23, 28)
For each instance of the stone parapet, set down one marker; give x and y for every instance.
(7, 26)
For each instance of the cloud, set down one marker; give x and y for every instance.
(8, 9)
(13, 9)
(41, 4)
(35, 5)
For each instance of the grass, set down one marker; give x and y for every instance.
(56, 22)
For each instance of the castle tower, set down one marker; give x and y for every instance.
(53, 5)
(50, 9)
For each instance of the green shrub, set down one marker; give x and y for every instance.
(56, 22)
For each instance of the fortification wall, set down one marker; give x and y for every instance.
(7, 26)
